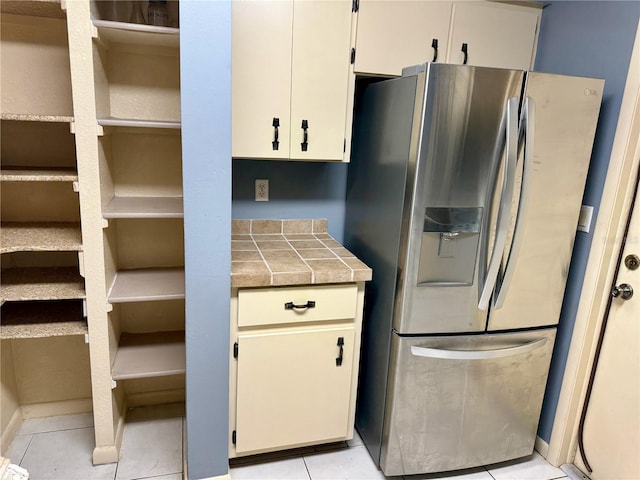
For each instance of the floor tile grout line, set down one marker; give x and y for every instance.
(306, 467)
(24, 454)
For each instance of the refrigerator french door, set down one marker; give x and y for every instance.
(463, 195)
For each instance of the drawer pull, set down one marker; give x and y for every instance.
(341, 345)
(292, 306)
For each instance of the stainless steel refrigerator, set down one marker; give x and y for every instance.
(463, 195)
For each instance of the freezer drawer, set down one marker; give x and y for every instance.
(464, 401)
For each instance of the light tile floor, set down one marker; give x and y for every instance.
(59, 448)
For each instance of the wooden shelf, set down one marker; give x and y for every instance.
(40, 237)
(144, 355)
(23, 174)
(37, 8)
(42, 283)
(144, 207)
(131, 122)
(133, 33)
(22, 117)
(42, 319)
(147, 285)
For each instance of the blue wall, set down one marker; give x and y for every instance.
(205, 66)
(296, 190)
(589, 39)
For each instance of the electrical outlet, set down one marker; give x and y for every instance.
(262, 190)
(584, 221)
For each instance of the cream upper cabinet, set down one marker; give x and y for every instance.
(393, 34)
(496, 35)
(290, 79)
(261, 35)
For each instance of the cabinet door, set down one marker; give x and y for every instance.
(496, 35)
(290, 389)
(395, 34)
(261, 76)
(319, 78)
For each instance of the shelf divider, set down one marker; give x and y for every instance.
(40, 237)
(42, 319)
(41, 283)
(136, 34)
(137, 123)
(144, 355)
(22, 174)
(144, 207)
(147, 285)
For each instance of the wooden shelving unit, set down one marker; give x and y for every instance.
(46, 283)
(42, 293)
(42, 320)
(147, 285)
(149, 355)
(148, 35)
(144, 207)
(40, 237)
(135, 123)
(38, 174)
(35, 8)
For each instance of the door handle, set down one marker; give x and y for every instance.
(276, 123)
(341, 354)
(434, 45)
(465, 50)
(504, 210)
(527, 124)
(449, 354)
(624, 291)
(305, 137)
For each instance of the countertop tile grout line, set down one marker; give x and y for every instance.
(264, 260)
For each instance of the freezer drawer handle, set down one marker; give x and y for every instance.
(292, 306)
(477, 354)
(341, 345)
(305, 135)
(276, 123)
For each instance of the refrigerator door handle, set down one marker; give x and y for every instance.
(527, 124)
(477, 354)
(504, 210)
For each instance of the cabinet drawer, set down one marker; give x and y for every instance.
(268, 306)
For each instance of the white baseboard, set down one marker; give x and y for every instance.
(541, 447)
(9, 433)
(62, 407)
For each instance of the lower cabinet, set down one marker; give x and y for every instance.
(293, 381)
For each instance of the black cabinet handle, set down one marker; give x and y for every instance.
(466, 53)
(434, 45)
(341, 345)
(305, 138)
(276, 123)
(291, 305)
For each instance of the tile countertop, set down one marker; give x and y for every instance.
(290, 252)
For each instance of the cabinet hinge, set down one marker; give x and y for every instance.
(235, 350)
(353, 56)
(355, 5)
(233, 437)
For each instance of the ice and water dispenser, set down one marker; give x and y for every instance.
(449, 246)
